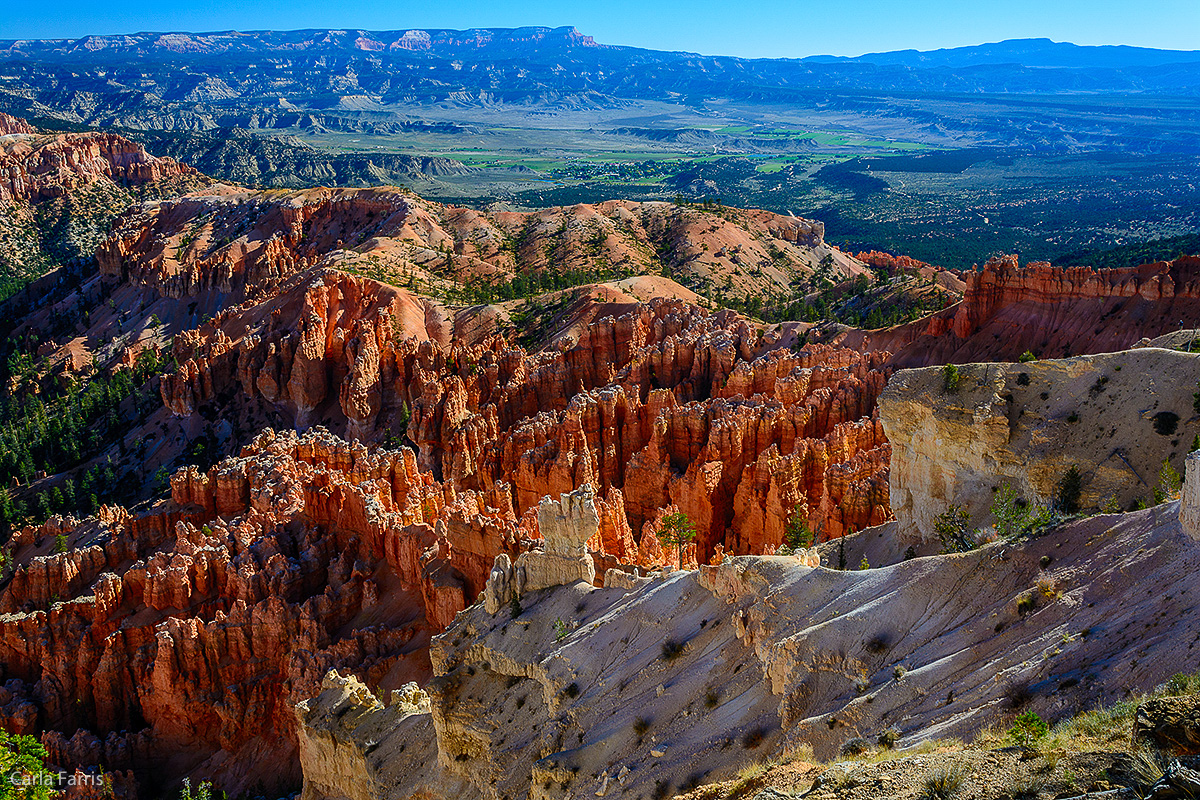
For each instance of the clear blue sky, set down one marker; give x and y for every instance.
(753, 28)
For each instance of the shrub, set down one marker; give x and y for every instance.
(24, 755)
(899, 671)
(944, 783)
(1026, 602)
(1146, 766)
(672, 649)
(560, 630)
(1182, 683)
(1025, 787)
(572, 690)
(1027, 729)
(1023, 379)
(1165, 422)
(1070, 488)
(887, 739)
(1169, 483)
(864, 564)
(60, 543)
(640, 726)
(203, 791)
(711, 698)
(1026, 357)
(854, 747)
(950, 378)
(953, 528)
(753, 737)
(878, 643)
(1010, 512)
(796, 532)
(514, 606)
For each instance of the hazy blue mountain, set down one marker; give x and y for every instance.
(1025, 53)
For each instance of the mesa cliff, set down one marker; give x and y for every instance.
(78, 183)
(40, 167)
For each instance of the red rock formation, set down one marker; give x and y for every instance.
(34, 168)
(10, 124)
(1050, 311)
(662, 401)
(665, 403)
(893, 263)
(196, 627)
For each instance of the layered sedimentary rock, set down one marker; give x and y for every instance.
(1189, 496)
(10, 124)
(636, 395)
(196, 627)
(627, 393)
(664, 404)
(1050, 311)
(663, 681)
(566, 526)
(1115, 417)
(40, 167)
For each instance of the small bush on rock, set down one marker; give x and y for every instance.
(672, 649)
(854, 747)
(944, 783)
(950, 379)
(1010, 512)
(1027, 729)
(953, 528)
(1165, 423)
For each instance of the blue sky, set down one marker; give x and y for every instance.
(729, 27)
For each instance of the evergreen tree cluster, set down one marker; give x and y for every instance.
(58, 433)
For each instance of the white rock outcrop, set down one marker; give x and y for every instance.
(351, 743)
(1189, 497)
(566, 525)
(1115, 416)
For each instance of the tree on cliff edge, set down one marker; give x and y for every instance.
(676, 531)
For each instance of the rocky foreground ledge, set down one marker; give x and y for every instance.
(678, 678)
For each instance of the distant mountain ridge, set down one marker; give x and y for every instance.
(1026, 53)
(1034, 52)
(178, 44)
(386, 82)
